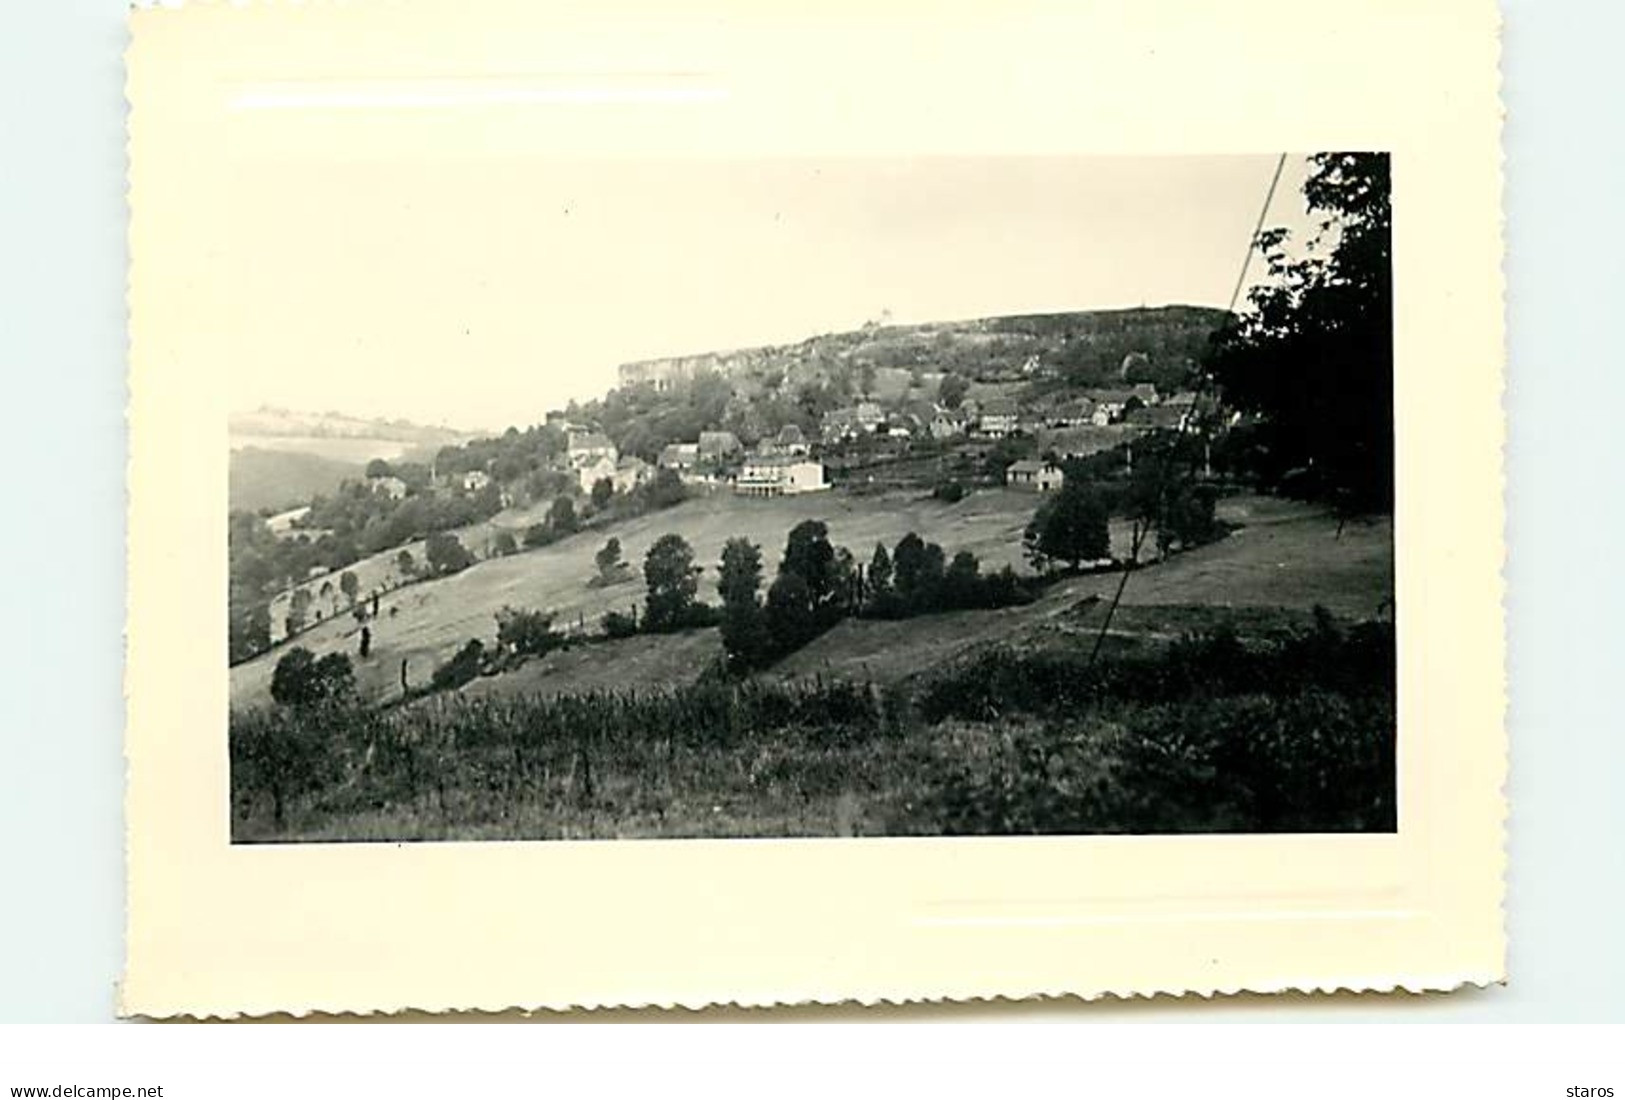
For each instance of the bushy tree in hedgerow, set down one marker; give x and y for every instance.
(603, 491)
(790, 616)
(405, 564)
(745, 636)
(809, 555)
(446, 554)
(962, 582)
(917, 568)
(880, 572)
(350, 585)
(503, 544)
(813, 589)
(301, 679)
(1072, 526)
(561, 517)
(672, 580)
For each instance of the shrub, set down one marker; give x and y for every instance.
(300, 679)
(446, 555)
(618, 624)
(561, 517)
(461, 669)
(524, 631)
(951, 491)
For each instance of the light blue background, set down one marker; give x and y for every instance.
(62, 258)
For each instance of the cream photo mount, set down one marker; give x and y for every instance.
(216, 930)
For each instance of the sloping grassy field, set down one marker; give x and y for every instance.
(423, 624)
(540, 752)
(1268, 574)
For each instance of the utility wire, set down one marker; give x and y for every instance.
(1235, 293)
(1252, 241)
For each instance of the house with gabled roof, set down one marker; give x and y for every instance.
(1034, 475)
(679, 456)
(779, 475)
(719, 446)
(789, 441)
(588, 446)
(998, 419)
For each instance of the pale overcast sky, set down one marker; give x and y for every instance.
(479, 293)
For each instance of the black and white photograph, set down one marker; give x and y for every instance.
(797, 497)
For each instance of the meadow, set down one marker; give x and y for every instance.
(1245, 685)
(1291, 732)
(424, 623)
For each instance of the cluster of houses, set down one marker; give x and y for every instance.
(779, 466)
(1139, 406)
(783, 464)
(592, 457)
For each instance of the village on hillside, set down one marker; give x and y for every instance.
(944, 431)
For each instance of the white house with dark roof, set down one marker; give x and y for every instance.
(790, 440)
(779, 475)
(718, 446)
(585, 447)
(679, 456)
(630, 472)
(591, 472)
(1034, 475)
(999, 418)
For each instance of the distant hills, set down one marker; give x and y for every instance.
(1086, 347)
(281, 458)
(268, 422)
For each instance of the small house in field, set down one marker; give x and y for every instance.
(779, 475)
(1034, 475)
(475, 480)
(869, 415)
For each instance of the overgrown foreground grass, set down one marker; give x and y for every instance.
(1208, 734)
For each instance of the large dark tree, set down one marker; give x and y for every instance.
(302, 679)
(672, 580)
(809, 555)
(1314, 355)
(1070, 527)
(745, 636)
